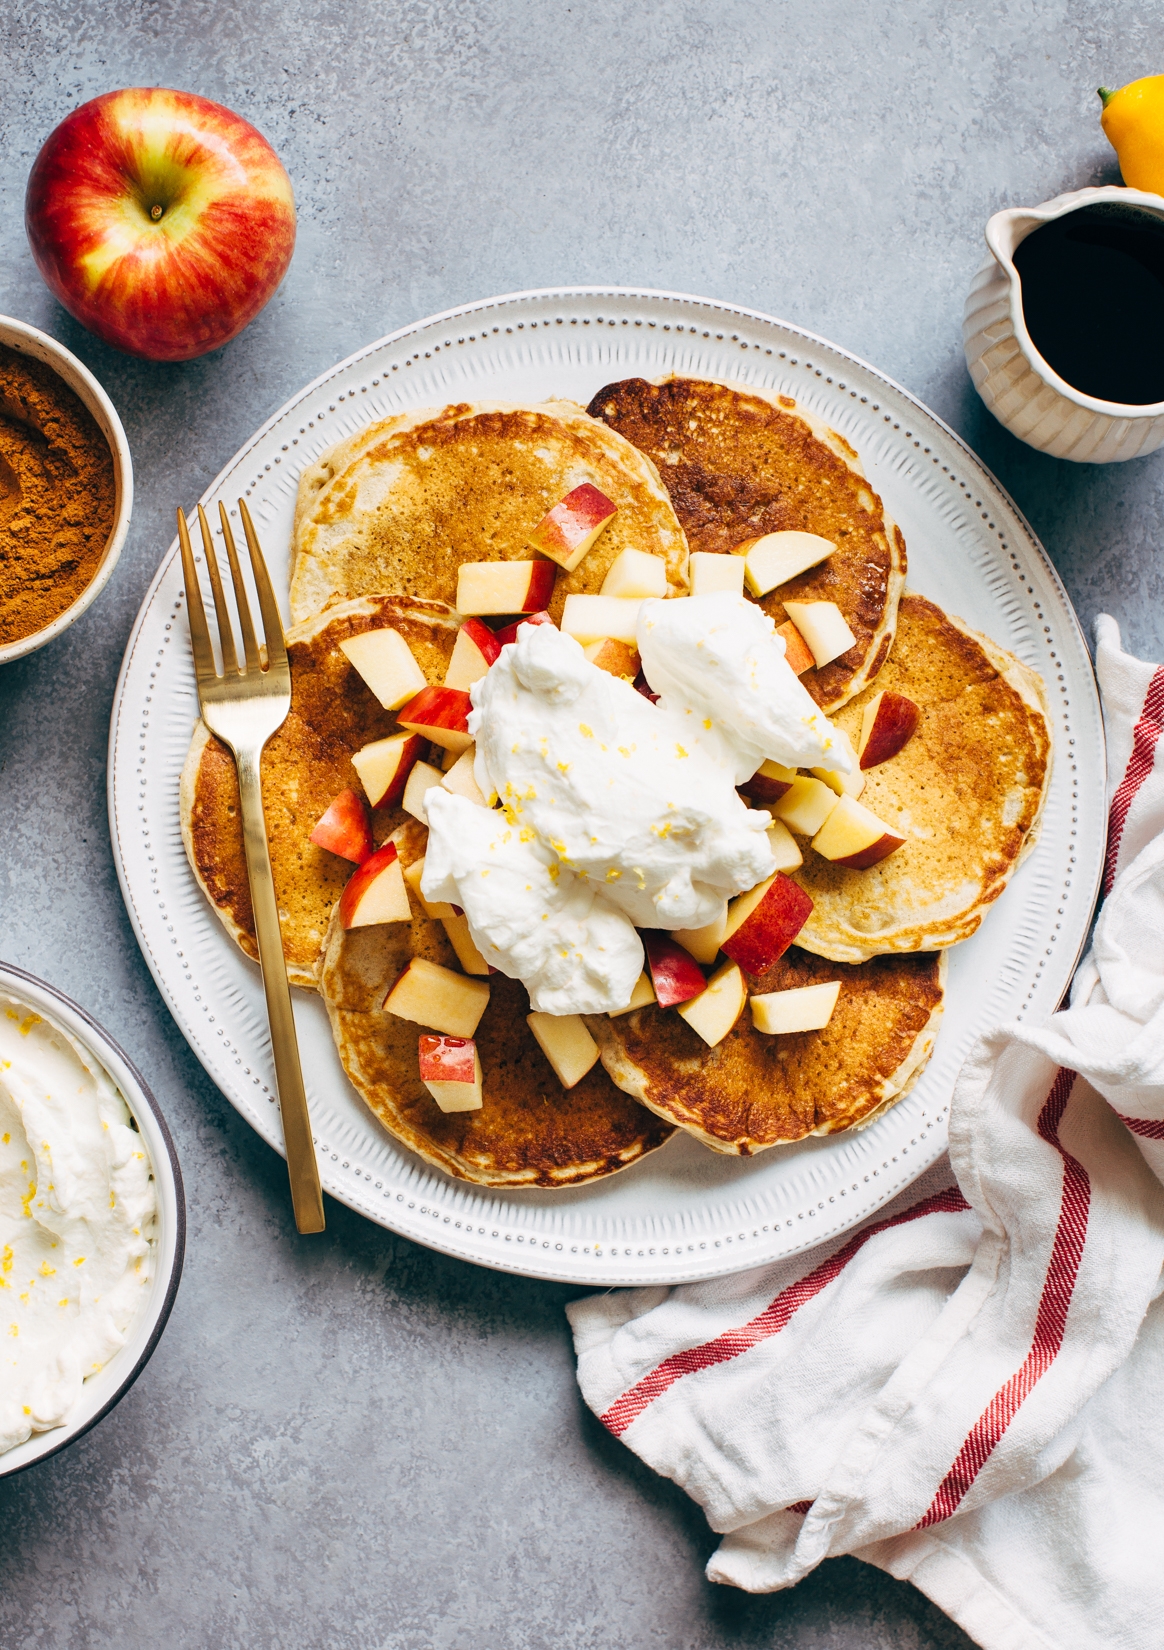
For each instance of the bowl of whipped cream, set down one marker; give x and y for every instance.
(92, 1222)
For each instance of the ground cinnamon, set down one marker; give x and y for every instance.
(56, 495)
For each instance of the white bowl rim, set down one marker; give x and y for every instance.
(43, 347)
(167, 1173)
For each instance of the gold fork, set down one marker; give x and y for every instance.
(244, 706)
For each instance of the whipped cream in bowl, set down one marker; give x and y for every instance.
(92, 1222)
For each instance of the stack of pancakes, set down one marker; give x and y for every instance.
(382, 524)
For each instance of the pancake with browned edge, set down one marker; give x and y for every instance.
(306, 763)
(739, 463)
(966, 792)
(753, 1091)
(402, 504)
(530, 1131)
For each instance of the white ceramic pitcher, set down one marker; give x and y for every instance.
(1016, 383)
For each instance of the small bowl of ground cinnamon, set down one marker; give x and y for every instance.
(66, 488)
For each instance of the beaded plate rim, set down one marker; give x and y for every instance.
(423, 1203)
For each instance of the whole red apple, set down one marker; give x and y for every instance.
(162, 221)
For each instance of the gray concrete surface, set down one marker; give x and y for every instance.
(351, 1441)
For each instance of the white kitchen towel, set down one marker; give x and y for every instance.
(965, 1390)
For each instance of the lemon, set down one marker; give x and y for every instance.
(1133, 119)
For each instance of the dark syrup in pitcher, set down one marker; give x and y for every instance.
(1093, 300)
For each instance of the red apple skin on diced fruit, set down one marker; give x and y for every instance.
(447, 1059)
(450, 1069)
(890, 722)
(675, 974)
(345, 828)
(873, 854)
(504, 586)
(568, 531)
(770, 925)
(375, 892)
(797, 652)
(641, 685)
(769, 782)
(474, 651)
(855, 838)
(384, 767)
(440, 714)
(508, 633)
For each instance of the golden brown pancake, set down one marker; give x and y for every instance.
(306, 763)
(753, 1091)
(966, 792)
(530, 1131)
(402, 504)
(739, 464)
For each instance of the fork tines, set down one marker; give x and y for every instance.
(253, 651)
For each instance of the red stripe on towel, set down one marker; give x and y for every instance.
(1050, 1321)
(771, 1321)
(1148, 1128)
(1144, 740)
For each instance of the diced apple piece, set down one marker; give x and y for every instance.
(459, 779)
(450, 1069)
(889, 723)
(384, 659)
(636, 573)
(614, 657)
(509, 632)
(435, 996)
(643, 993)
(422, 778)
(675, 975)
(345, 828)
(854, 837)
(439, 910)
(769, 782)
(783, 844)
(797, 653)
(703, 943)
(594, 618)
(803, 1008)
(717, 1008)
(375, 892)
(441, 715)
(777, 557)
(474, 651)
(504, 586)
(384, 767)
(456, 926)
(844, 784)
(822, 624)
(566, 1044)
(763, 923)
(805, 805)
(710, 572)
(641, 685)
(566, 532)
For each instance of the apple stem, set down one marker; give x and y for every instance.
(156, 212)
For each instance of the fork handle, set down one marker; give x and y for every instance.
(302, 1167)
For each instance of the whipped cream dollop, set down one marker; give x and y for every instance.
(615, 814)
(531, 917)
(717, 663)
(77, 1212)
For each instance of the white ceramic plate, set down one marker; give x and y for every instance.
(101, 1391)
(684, 1212)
